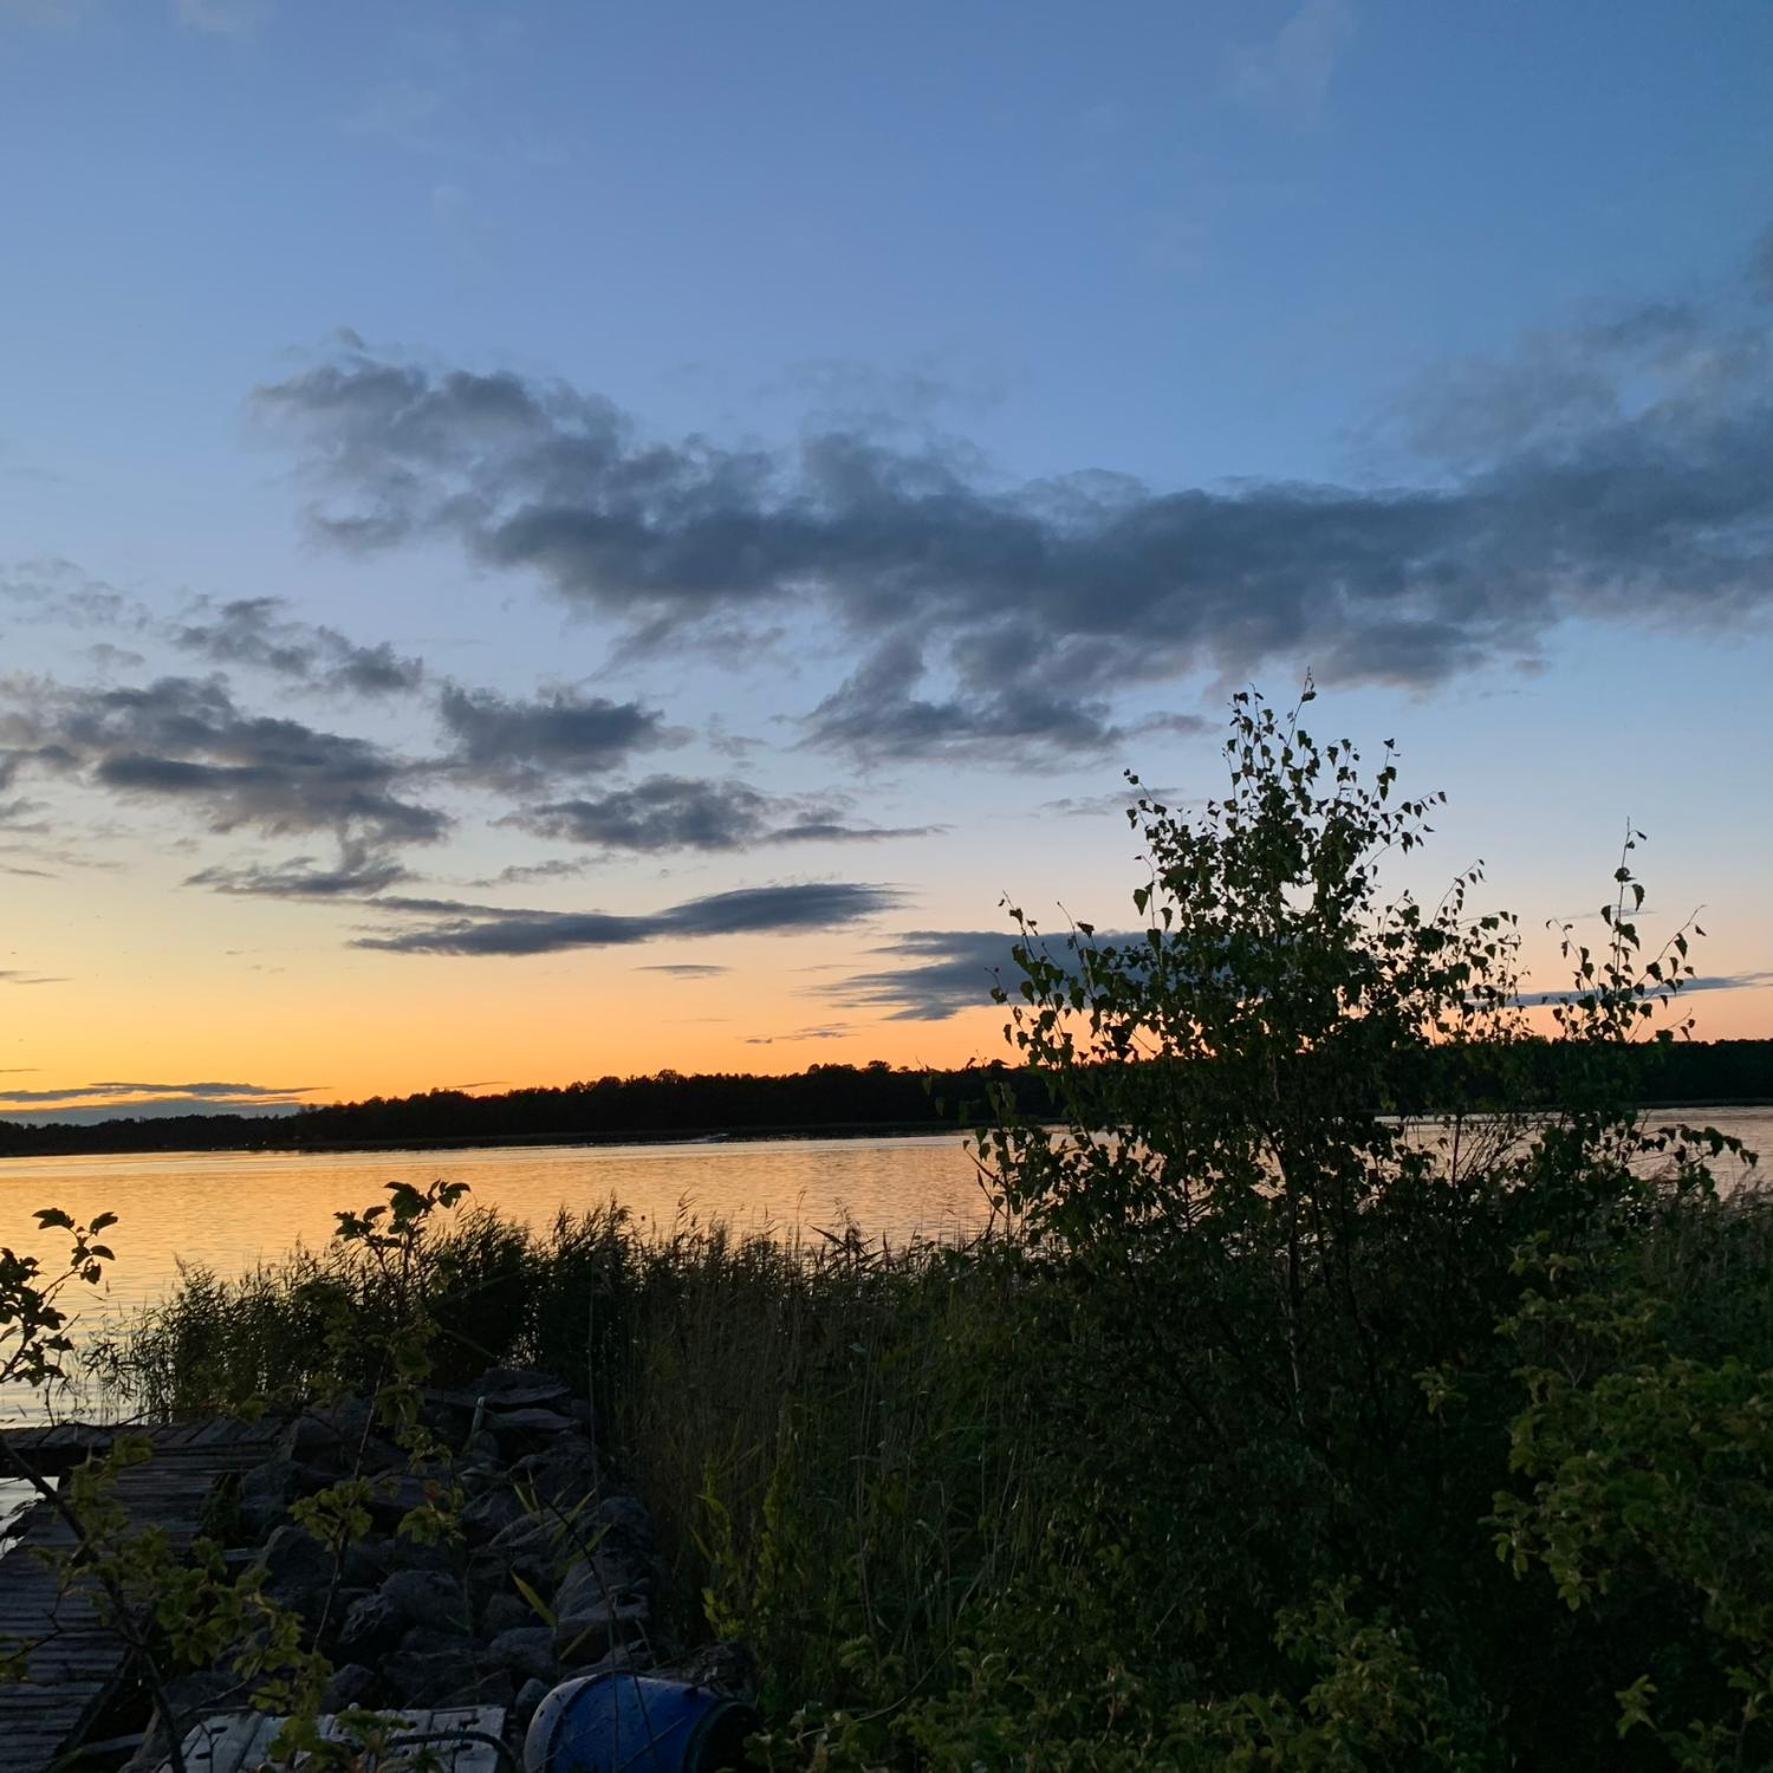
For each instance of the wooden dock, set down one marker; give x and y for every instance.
(76, 1662)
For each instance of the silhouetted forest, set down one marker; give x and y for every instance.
(839, 1099)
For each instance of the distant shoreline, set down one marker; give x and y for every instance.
(840, 1130)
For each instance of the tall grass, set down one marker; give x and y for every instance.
(994, 1506)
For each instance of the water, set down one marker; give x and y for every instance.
(230, 1210)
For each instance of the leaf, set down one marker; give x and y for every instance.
(53, 1216)
(536, 1604)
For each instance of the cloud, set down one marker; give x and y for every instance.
(1015, 618)
(223, 18)
(684, 969)
(359, 872)
(492, 930)
(254, 631)
(182, 739)
(1287, 77)
(8, 977)
(516, 744)
(206, 1092)
(1754, 980)
(522, 873)
(54, 590)
(823, 1031)
(665, 813)
(935, 974)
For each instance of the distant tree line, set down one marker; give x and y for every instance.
(836, 1099)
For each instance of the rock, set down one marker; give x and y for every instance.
(505, 1612)
(489, 1514)
(598, 1626)
(430, 1598)
(330, 1428)
(563, 1472)
(407, 1553)
(367, 1562)
(431, 1677)
(526, 1653)
(530, 1421)
(265, 1495)
(624, 1657)
(353, 1684)
(529, 1696)
(525, 1548)
(372, 1627)
(519, 1388)
(298, 1571)
(608, 1574)
(396, 1494)
(482, 1444)
(428, 1640)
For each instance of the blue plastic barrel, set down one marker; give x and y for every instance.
(626, 1723)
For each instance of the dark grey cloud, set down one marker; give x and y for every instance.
(686, 969)
(1616, 469)
(1752, 980)
(359, 871)
(185, 740)
(665, 813)
(205, 1092)
(256, 632)
(508, 743)
(933, 974)
(455, 928)
(12, 977)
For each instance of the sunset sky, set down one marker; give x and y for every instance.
(545, 539)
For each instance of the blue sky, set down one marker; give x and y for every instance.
(1423, 347)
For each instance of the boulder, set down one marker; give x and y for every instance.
(529, 1696)
(505, 1612)
(433, 1599)
(298, 1571)
(525, 1653)
(529, 1423)
(489, 1514)
(597, 1627)
(265, 1495)
(353, 1684)
(519, 1388)
(372, 1627)
(431, 1678)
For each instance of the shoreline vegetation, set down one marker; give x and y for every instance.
(845, 1101)
(1278, 1435)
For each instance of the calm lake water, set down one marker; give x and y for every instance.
(231, 1210)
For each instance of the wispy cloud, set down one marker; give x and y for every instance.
(259, 632)
(1287, 76)
(664, 813)
(224, 18)
(449, 927)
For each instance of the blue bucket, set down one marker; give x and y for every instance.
(626, 1723)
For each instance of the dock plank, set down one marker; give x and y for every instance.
(74, 1662)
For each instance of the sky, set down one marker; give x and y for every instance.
(543, 540)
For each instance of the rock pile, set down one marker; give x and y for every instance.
(555, 1571)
